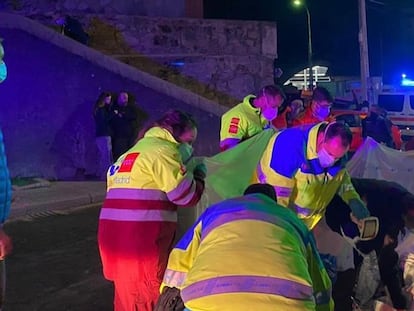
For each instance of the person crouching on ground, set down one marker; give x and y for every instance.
(138, 220)
(248, 253)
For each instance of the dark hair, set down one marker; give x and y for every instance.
(365, 103)
(321, 94)
(335, 129)
(272, 90)
(116, 96)
(265, 189)
(177, 122)
(100, 99)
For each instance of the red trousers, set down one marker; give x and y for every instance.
(134, 256)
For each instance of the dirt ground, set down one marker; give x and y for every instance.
(55, 264)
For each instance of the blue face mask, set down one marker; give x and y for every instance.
(325, 159)
(3, 71)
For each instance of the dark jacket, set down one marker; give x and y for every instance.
(122, 121)
(385, 200)
(102, 118)
(379, 128)
(391, 276)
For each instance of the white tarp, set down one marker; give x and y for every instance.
(373, 160)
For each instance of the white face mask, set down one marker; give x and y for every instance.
(269, 113)
(325, 159)
(322, 113)
(3, 71)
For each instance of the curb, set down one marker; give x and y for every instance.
(39, 183)
(56, 197)
(36, 208)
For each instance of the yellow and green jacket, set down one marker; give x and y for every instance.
(139, 214)
(249, 253)
(240, 123)
(290, 164)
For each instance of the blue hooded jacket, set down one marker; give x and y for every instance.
(5, 184)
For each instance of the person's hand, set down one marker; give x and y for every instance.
(200, 171)
(358, 208)
(5, 244)
(410, 290)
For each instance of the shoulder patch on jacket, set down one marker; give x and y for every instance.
(234, 125)
(128, 162)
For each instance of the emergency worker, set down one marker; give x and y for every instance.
(306, 166)
(250, 117)
(138, 219)
(226, 261)
(319, 109)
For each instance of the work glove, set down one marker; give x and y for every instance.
(186, 152)
(170, 300)
(359, 210)
(200, 171)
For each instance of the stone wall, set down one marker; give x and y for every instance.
(233, 57)
(218, 59)
(171, 8)
(48, 98)
(50, 91)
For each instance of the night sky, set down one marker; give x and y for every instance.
(334, 33)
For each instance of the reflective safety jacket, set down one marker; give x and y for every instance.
(240, 123)
(249, 253)
(144, 188)
(290, 164)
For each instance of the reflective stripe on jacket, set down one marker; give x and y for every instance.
(239, 123)
(139, 215)
(138, 205)
(290, 163)
(248, 253)
(154, 164)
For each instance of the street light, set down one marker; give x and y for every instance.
(299, 3)
(363, 50)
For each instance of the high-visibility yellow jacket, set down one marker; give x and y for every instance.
(249, 253)
(239, 123)
(154, 163)
(291, 165)
(139, 215)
